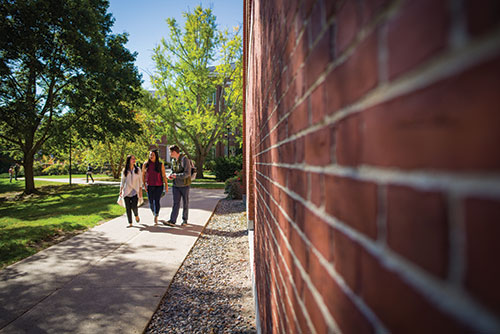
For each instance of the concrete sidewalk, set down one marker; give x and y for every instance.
(109, 279)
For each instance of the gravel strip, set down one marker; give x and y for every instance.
(212, 291)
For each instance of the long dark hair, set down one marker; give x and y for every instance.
(157, 161)
(127, 166)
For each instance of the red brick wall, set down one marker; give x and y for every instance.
(373, 164)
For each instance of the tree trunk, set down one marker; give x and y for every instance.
(200, 160)
(29, 182)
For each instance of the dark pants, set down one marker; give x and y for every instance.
(180, 192)
(154, 195)
(131, 205)
(89, 174)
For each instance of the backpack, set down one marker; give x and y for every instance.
(187, 181)
(193, 169)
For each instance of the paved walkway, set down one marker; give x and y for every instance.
(109, 279)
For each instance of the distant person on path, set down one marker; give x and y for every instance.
(11, 173)
(89, 173)
(131, 188)
(153, 178)
(181, 174)
(16, 170)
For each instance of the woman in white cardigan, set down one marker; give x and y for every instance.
(131, 188)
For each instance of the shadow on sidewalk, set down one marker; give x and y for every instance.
(82, 285)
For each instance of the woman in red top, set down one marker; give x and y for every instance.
(153, 178)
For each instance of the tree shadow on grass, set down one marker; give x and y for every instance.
(14, 245)
(79, 201)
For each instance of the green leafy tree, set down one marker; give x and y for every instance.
(113, 150)
(61, 67)
(186, 83)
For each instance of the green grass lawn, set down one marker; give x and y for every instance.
(31, 223)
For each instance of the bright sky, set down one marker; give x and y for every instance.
(145, 22)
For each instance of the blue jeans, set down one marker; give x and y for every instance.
(154, 195)
(179, 192)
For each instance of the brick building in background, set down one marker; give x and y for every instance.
(372, 135)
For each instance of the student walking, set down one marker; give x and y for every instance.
(89, 173)
(181, 174)
(16, 170)
(153, 178)
(11, 174)
(131, 189)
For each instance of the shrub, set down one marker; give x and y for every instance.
(209, 165)
(233, 187)
(227, 167)
(38, 167)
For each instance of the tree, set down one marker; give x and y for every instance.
(61, 67)
(186, 83)
(113, 150)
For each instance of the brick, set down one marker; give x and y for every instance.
(299, 212)
(316, 145)
(297, 182)
(287, 152)
(291, 326)
(348, 25)
(400, 307)
(299, 247)
(297, 279)
(318, 104)
(452, 124)
(353, 78)
(304, 328)
(282, 131)
(300, 151)
(320, 234)
(279, 174)
(417, 227)
(319, 58)
(352, 201)
(301, 52)
(419, 32)
(298, 119)
(482, 16)
(274, 135)
(347, 259)
(482, 224)
(344, 311)
(300, 83)
(317, 189)
(314, 312)
(348, 141)
(317, 20)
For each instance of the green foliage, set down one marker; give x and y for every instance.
(60, 67)
(227, 167)
(186, 83)
(112, 151)
(209, 165)
(233, 187)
